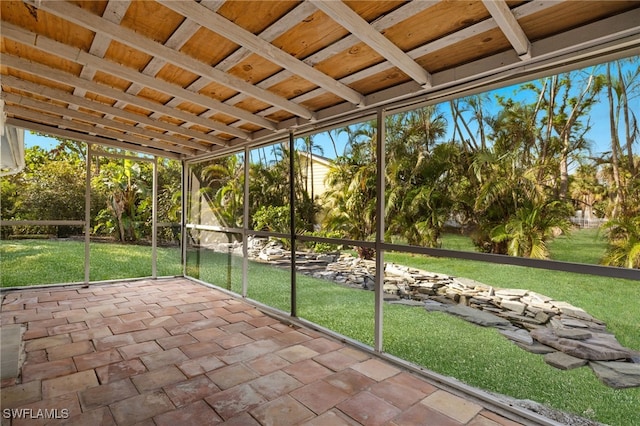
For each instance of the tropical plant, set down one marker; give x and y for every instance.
(624, 242)
(419, 174)
(528, 230)
(126, 185)
(350, 201)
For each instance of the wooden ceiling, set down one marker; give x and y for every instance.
(185, 79)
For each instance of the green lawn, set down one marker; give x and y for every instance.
(478, 356)
(581, 246)
(33, 262)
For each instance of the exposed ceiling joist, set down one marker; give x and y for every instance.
(101, 62)
(78, 102)
(288, 21)
(447, 41)
(114, 12)
(248, 40)
(68, 79)
(94, 62)
(63, 123)
(357, 26)
(88, 137)
(509, 26)
(344, 44)
(18, 101)
(129, 37)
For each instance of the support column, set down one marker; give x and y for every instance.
(245, 226)
(292, 227)
(183, 219)
(87, 218)
(380, 207)
(154, 221)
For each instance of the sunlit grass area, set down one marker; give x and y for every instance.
(447, 345)
(581, 246)
(34, 262)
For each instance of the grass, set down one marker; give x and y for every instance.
(34, 262)
(581, 246)
(478, 356)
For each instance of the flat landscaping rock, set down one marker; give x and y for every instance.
(563, 361)
(570, 333)
(517, 335)
(597, 348)
(618, 375)
(536, 348)
(477, 316)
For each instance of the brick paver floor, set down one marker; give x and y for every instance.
(174, 352)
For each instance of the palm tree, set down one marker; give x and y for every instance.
(527, 231)
(586, 190)
(624, 242)
(127, 188)
(222, 185)
(419, 171)
(350, 200)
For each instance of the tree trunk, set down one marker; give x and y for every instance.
(627, 125)
(614, 148)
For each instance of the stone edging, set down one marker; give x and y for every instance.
(567, 336)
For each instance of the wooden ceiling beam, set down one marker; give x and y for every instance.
(79, 16)
(248, 40)
(345, 16)
(284, 24)
(114, 12)
(176, 41)
(525, 10)
(104, 122)
(387, 21)
(68, 79)
(82, 128)
(71, 134)
(509, 26)
(73, 54)
(141, 120)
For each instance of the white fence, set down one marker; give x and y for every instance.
(585, 222)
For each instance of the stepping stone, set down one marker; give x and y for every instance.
(618, 375)
(563, 361)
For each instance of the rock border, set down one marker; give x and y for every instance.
(567, 336)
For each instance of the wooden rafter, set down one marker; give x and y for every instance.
(357, 26)
(176, 144)
(131, 38)
(248, 40)
(139, 79)
(64, 78)
(197, 142)
(528, 9)
(509, 26)
(89, 137)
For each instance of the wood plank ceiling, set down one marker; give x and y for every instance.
(185, 79)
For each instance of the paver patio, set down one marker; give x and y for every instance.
(171, 352)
